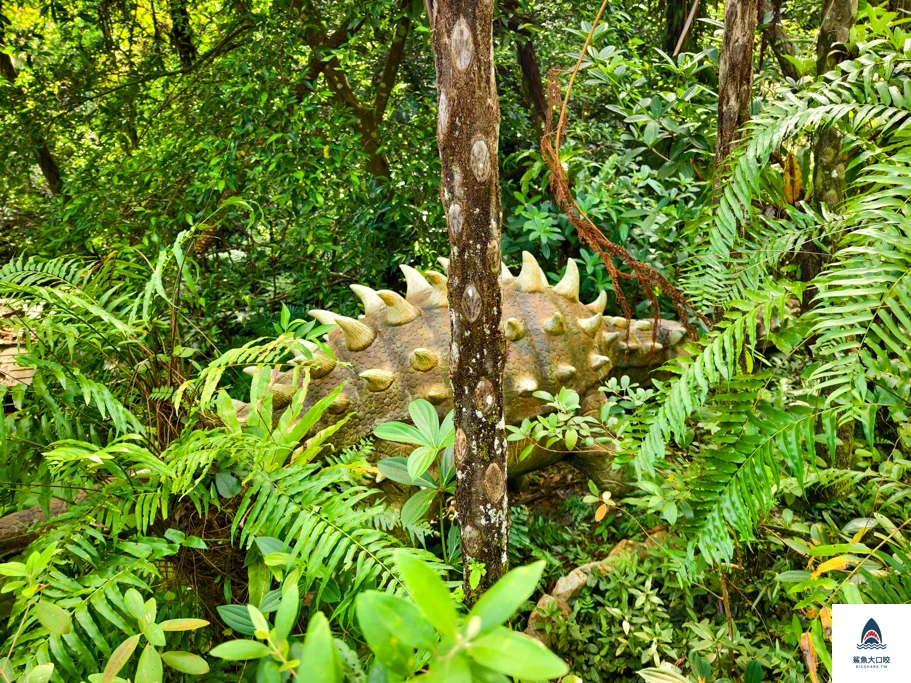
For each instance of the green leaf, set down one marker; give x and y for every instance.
(425, 419)
(319, 659)
(402, 618)
(455, 669)
(428, 591)
(185, 662)
(669, 512)
(288, 609)
(416, 506)
(119, 658)
(753, 673)
(153, 632)
(420, 460)
(506, 596)
(149, 668)
(240, 650)
(399, 432)
(55, 619)
(183, 624)
(227, 485)
(397, 470)
(516, 654)
(653, 675)
(134, 602)
(387, 647)
(40, 674)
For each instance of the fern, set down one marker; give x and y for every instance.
(716, 359)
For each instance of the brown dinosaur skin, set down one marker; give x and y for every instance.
(547, 354)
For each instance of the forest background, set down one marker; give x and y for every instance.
(181, 184)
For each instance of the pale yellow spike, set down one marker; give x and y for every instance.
(320, 365)
(282, 394)
(358, 336)
(565, 373)
(440, 294)
(437, 393)
(444, 263)
(532, 278)
(590, 325)
(514, 329)
(597, 361)
(371, 300)
(526, 386)
(506, 275)
(238, 405)
(377, 380)
(568, 287)
(398, 311)
(643, 325)
(598, 304)
(340, 405)
(323, 317)
(414, 282)
(618, 321)
(556, 325)
(423, 360)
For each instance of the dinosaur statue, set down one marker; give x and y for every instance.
(398, 351)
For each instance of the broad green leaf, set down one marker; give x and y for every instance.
(149, 669)
(753, 673)
(416, 506)
(134, 602)
(455, 669)
(425, 419)
(185, 662)
(399, 432)
(428, 591)
(397, 470)
(420, 460)
(183, 624)
(516, 654)
(654, 675)
(55, 619)
(40, 674)
(119, 658)
(240, 650)
(506, 596)
(288, 609)
(669, 512)
(387, 646)
(402, 618)
(319, 659)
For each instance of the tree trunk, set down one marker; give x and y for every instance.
(182, 33)
(37, 141)
(532, 84)
(467, 135)
(778, 40)
(735, 74)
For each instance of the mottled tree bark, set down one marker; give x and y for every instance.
(182, 32)
(735, 74)
(778, 40)
(37, 141)
(467, 135)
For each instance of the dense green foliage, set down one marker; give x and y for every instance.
(226, 166)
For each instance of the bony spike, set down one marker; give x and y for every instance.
(598, 304)
(591, 325)
(377, 380)
(398, 311)
(531, 278)
(414, 282)
(568, 287)
(358, 336)
(371, 300)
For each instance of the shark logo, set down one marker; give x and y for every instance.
(871, 638)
